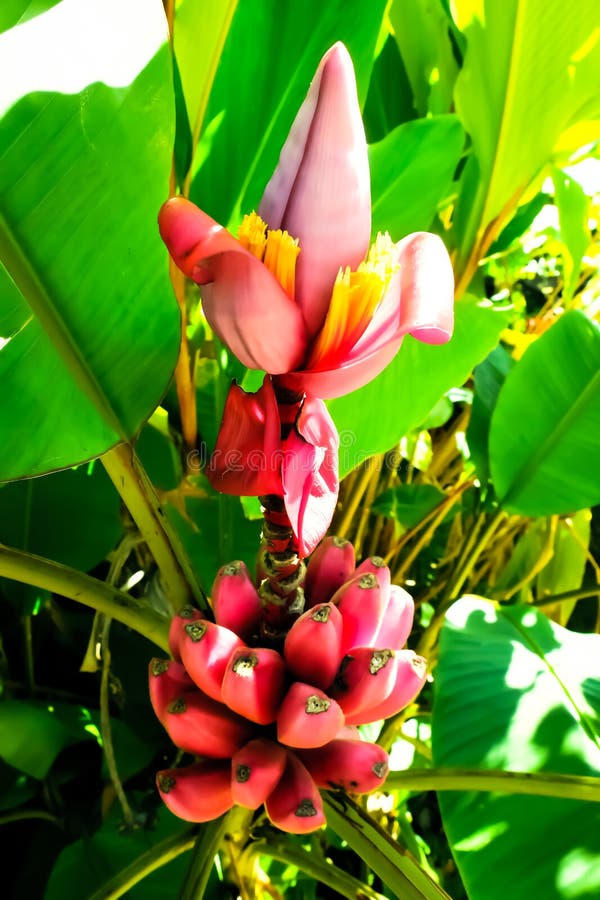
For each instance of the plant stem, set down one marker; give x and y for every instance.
(25, 814)
(154, 858)
(541, 784)
(462, 570)
(385, 856)
(280, 847)
(52, 576)
(578, 594)
(177, 577)
(106, 731)
(438, 515)
(343, 523)
(365, 514)
(205, 849)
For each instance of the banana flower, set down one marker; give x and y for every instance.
(298, 293)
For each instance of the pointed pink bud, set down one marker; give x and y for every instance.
(295, 805)
(310, 474)
(167, 680)
(329, 567)
(199, 725)
(411, 674)
(366, 677)
(197, 793)
(205, 651)
(396, 620)
(361, 603)
(355, 766)
(308, 717)
(235, 600)
(243, 302)
(312, 645)
(253, 684)
(377, 567)
(184, 617)
(320, 190)
(246, 460)
(256, 770)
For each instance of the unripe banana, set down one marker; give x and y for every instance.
(355, 766)
(366, 677)
(361, 603)
(167, 680)
(253, 683)
(411, 674)
(295, 804)
(329, 567)
(197, 793)
(308, 717)
(235, 600)
(312, 645)
(377, 567)
(199, 725)
(205, 651)
(397, 619)
(256, 770)
(184, 617)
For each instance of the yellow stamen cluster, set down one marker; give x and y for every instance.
(356, 296)
(277, 249)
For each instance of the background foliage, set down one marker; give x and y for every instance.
(472, 468)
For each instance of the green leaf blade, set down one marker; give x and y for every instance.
(516, 692)
(374, 418)
(84, 170)
(543, 434)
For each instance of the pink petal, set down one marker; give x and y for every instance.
(320, 191)
(419, 301)
(246, 460)
(243, 302)
(426, 302)
(310, 474)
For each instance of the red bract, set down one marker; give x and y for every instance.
(252, 459)
(331, 675)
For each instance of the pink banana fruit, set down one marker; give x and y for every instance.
(361, 603)
(329, 567)
(205, 651)
(411, 674)
(366, 677)
(184, 617)
(197, 793)
(353, 765)
(202, 726)
(167, 680)
(377, 567)
(312, 645)
(308, 717)
(396, 620)
(253, 683)
(295, 804)
(256, 769)
(235, 600)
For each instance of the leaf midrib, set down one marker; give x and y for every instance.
(581, 717)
